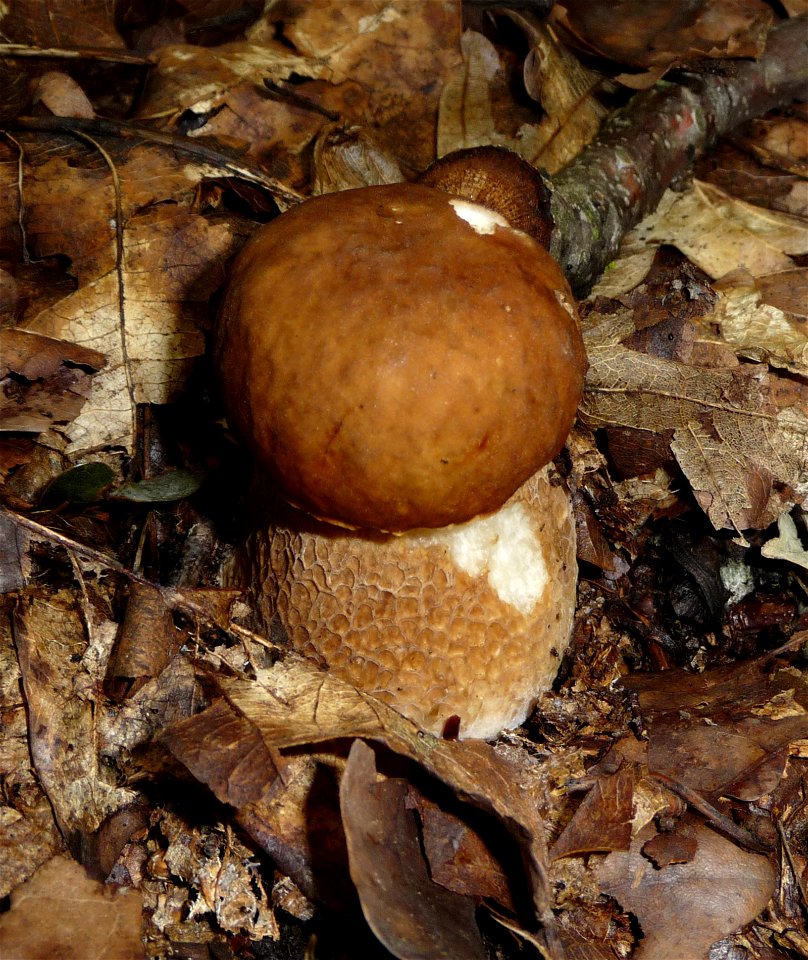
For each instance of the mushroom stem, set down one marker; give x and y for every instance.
(459, 628)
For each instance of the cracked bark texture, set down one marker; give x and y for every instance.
(646, 146)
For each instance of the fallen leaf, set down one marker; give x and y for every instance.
(61, 912)
(411, 915)
(52, 380)
(759, 329)
(718, 891)
(744, 458)
(643, 35)
(720, 234)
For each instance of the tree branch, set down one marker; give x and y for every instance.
(653, 140)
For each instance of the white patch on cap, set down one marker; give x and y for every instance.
(504, 548)
(480, 219)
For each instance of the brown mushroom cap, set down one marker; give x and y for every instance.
(398, 358)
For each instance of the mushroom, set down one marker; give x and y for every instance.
(404, 366)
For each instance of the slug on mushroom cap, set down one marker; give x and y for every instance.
(401, 360)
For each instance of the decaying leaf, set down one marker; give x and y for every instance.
(721, 888)
(720, 234)
(61, 912)
(745, 459)
(53, 380)
(758, 328)
(412, 916)
(566, 90)
(60, 710)
(294, 704)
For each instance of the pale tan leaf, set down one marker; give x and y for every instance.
(758, 329)
(142, 319)
(466, 116)
(61, 912)
(61, 673)
(566, 90)
(720, 234)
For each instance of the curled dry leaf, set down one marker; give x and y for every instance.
(639, 34)
(466, 112)
(294, 704)
(566, 90)
(553, 77)
(410, 914)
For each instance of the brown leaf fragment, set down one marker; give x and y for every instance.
(146, 641)
(603, 820)
(411, 915)
(60, 912)
(42, 380)
(685, 907)
(224, 751)
(667, 848)
(459, 858)
(765, 318)
(62, 95)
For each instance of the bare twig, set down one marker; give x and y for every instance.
(721, 822)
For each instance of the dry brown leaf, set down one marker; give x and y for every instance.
(640, 34)
(57, 377)
(385, 60)
(145, 312)
(726, 731)
(745, 460)
(142, 317)
(411, 915)
(61, 24)
(720, 234)
(759, 329)
(62, 96)
(553, 77)
(566, 90)
(61, 671)
(61, 912)
(294, 704)
(603, 821)
(28, 834)
(718, 891)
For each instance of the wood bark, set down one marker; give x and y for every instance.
(646, 146)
